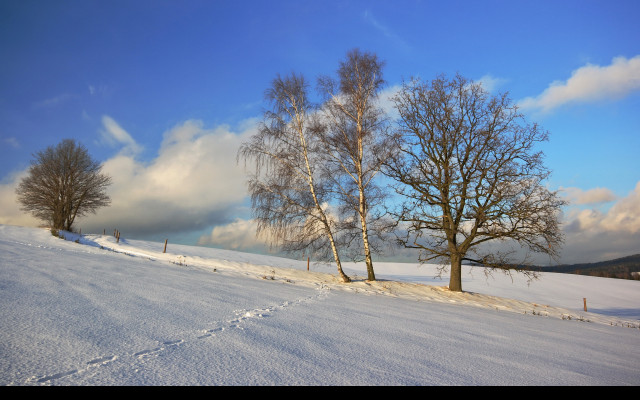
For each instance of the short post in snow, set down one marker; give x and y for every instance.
(308, 263)
(165, 246)
(585, 303)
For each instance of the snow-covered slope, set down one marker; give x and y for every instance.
(90, 311)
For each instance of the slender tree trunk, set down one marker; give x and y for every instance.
(365, 239)
(455, 280)
(343, 277)
(367, 254)
(362, 200)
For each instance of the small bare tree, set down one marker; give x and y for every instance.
(470, 174)
(354, 145)
(63, 183)
(289, 199)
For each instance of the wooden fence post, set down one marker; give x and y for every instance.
(307, 263)
(585, 303)
(165, 246)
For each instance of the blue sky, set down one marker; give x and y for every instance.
(163, 92)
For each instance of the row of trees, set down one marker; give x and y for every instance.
(457, 169)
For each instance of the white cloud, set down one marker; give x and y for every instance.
(578, 196)
(114, 135)
(623, 216)
(368, 16)
(590, 83)
(237, 235)
(10, 213)
(593, 235)
(194, 182)
(98, 90)
(385, 100)
(490, 83)
(13, 142)
(54, 101)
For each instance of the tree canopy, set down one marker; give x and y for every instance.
(63, 183)
(469, 173)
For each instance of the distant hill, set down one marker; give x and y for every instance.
(622, 268)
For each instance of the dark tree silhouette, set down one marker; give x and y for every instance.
(63, 183)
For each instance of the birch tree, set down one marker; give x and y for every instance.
(289, 198)
(355, 145)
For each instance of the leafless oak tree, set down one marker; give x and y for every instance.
(470, 174)
(289, 198)
(63, 183)
(355, 145)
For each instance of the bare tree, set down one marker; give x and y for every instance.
(63, 183)
(470, 174)
(289, 198)
(355, 145)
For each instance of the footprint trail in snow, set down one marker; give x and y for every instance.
(220, 326)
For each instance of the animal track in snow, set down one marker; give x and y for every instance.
(236, 322)
(210, 332)
(52, 377)
(102, 360)
(147, 352)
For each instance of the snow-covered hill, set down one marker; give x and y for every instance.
(90, 311)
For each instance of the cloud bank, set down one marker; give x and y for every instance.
(590, 83)
(578, 196)
(238, 235)
(193, 183)
(593, 235)
(10, 213)
(623, 216)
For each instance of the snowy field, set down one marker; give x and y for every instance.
(97, 312)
